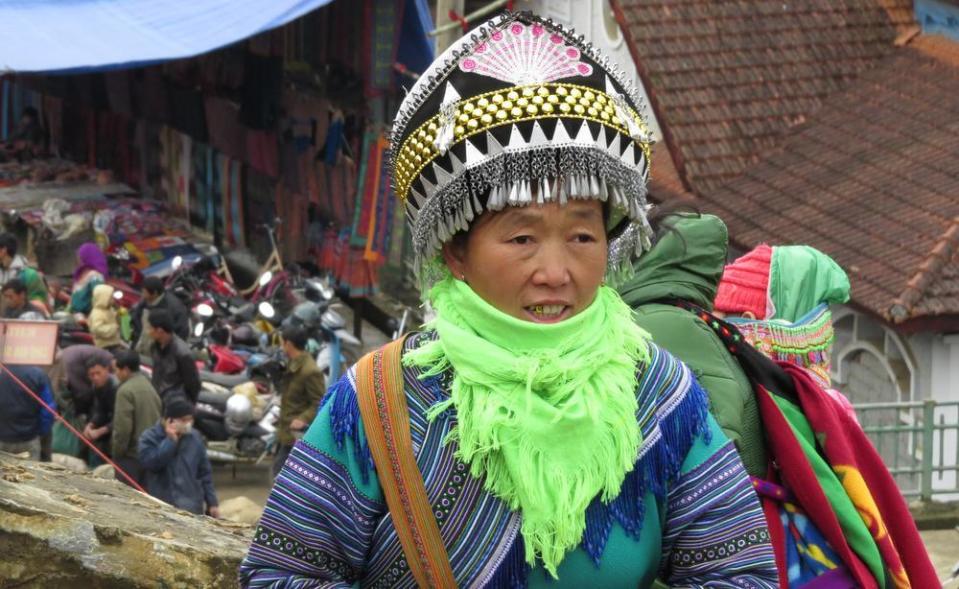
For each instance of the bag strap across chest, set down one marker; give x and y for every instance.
(382, 400)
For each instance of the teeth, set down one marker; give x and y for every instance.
(548, 310)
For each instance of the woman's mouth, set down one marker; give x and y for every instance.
(547, 313)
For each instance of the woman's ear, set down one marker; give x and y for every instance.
(454, 254)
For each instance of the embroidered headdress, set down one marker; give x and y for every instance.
(519, 111)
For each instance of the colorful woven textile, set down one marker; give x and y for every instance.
(806, 343)
(326, 522)
(831, 467)
(868, 483)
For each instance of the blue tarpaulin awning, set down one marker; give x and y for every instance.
(87, 35)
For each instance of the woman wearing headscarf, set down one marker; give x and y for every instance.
(91, 270)
(550, 442)
(798, 438)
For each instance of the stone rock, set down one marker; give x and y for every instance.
(104, 471)
(70, 462)
(241, 510)
(59, 528)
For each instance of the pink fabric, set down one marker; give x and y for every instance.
(745, 284)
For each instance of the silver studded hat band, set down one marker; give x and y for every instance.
(520, 112)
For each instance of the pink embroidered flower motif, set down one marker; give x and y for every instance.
(526, 56)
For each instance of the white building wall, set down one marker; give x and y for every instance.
(864, 354)
(594, 20)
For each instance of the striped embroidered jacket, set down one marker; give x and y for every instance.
(686, 514)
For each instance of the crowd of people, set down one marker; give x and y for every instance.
(100, 390)
(142, 423)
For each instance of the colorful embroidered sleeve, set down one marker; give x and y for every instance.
(715, 533)
(316, 529)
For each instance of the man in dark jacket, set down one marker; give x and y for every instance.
(174, 367)
(155, 298)
(686, 263)
(175, 463)
(302, 389)
(79, 391)
(99, 426)
(137, 408)
(23, 421)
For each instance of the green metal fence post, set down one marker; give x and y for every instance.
(928, 425)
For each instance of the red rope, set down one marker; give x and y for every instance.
(80, 436)
(460, 19)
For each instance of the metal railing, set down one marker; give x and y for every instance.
(919, 442)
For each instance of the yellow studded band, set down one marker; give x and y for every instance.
(505, 107)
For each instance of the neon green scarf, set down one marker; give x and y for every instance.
(547, 413)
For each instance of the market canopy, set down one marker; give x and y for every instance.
(88, 35)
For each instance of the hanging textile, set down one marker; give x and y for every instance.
(381, 225)
(204, 179)
(382, 36)
(367, 188)
(53, 118)
(346, 264)
(227, 135)
(373, 212)
(263, 152)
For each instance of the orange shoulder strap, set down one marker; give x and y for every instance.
(386, 419)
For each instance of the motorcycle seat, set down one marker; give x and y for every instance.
(215, 398)
(224, 380)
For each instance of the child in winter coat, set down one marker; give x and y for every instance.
(103, 321)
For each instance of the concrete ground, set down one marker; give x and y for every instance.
(943, 547)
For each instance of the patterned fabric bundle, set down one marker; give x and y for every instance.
(807, 342)
(834, 472)
(521, 112)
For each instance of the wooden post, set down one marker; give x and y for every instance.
(446, 38)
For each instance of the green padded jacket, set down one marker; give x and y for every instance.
(686, 263)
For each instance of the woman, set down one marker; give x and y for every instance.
(91, 270)
(825, 535)
(104, 323)
(557, 446)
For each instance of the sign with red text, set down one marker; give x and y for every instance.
(28, 342)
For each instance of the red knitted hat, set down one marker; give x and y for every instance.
(745, 283)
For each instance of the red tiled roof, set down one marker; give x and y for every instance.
(727, 78)
(873, 181)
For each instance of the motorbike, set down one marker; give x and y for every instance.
(226, 421)
(336, 348)
(235, 427)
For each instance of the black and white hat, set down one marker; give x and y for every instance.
(518, 112)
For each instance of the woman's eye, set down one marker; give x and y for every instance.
(522, 239)
(585, 238)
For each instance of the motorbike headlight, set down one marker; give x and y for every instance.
(198, 329)
(267, 310)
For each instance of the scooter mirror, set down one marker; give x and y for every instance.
(177, 262)
(267, 310)
(265, 278)
(198, 329)
(204, 310)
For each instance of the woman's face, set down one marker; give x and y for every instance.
(541, 263)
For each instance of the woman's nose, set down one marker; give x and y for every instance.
(552, 268)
